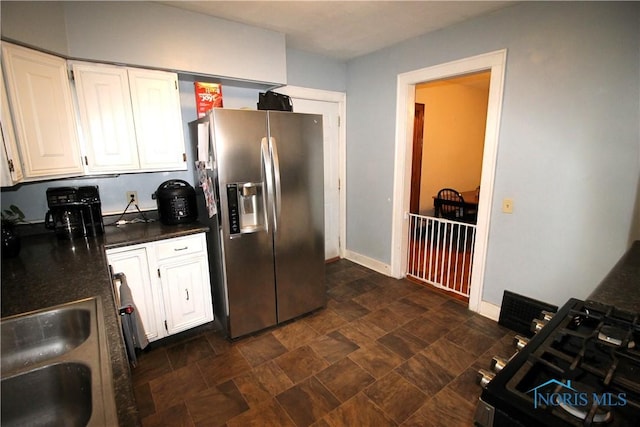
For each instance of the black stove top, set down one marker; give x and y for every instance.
(582, 368)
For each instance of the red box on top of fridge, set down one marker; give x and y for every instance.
(208, 96)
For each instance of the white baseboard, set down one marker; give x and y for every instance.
(370, 263)
(489, 310)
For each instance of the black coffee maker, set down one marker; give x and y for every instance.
(74, 212)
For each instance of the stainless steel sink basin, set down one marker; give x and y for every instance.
(41, 336)
(62, 392)
(56, 367)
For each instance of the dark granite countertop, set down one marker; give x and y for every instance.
(621, 287)
(49, 272)
(132, 234)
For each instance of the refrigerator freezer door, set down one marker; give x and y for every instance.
(248, 257)
(299, 235)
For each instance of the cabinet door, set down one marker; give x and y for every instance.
(10, 168)
(135, 265)
(185, 284)
(156, 113)
(43, 114)
(106, 117)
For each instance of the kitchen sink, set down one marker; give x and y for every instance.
(56, 368)
(31, 339)
(62, 392)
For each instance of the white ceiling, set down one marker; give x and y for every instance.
(344, 29)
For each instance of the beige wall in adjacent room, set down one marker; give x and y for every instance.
(454, 123)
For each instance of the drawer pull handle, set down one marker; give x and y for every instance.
(181, 249)
(187, 291)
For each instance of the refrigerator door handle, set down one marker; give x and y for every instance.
(268, 180)
(276, 178)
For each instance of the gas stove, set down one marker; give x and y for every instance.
(582, 368)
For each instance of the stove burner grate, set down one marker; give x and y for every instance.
(591, 346)
(582, 405)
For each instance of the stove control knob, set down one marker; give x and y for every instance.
(537, 325)
(484, 377)
(497, 363)
(519, 342)
(546, 315)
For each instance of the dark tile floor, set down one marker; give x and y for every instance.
(384, 352)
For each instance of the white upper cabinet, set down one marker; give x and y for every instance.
(107, 120)
(43, 114)
(131, 119)
(10, 168)
(156, 113)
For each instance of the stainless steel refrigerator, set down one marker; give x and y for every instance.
(262, 180)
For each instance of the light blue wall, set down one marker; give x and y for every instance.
(569, 146)
(35, 23)
(313, 71)
(148, 34)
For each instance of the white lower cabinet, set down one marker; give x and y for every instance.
(183, 286)
(133, 262)
(169, 281)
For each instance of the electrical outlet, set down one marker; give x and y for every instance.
(132, 196)
(507, 206)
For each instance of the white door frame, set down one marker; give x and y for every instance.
(341, 99)
(495, 62)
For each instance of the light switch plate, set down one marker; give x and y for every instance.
(507, 206)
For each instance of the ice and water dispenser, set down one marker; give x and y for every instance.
(246, 207)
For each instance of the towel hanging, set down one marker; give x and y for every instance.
(132, 327)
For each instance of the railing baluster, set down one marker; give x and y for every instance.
(441, 252)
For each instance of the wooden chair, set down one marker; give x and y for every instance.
(449, 204)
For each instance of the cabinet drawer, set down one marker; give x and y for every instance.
(180, 246)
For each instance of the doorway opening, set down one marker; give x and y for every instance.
(493, 62)
(448, 143)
